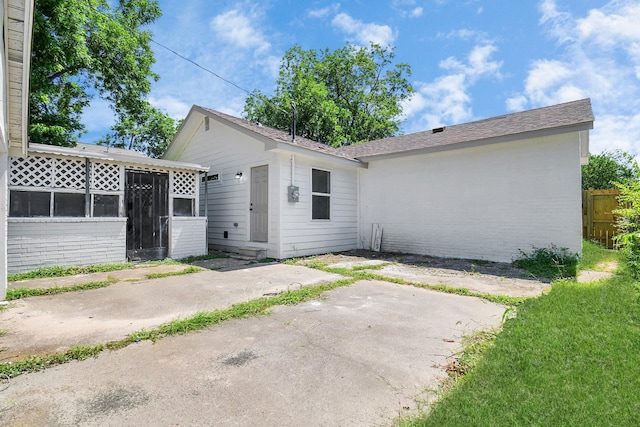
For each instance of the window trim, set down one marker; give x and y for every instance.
(193, 207)
(318, 194)
(52, 194)
(93, 204)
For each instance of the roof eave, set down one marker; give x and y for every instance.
(480, 142)
(272, 144)
(276, 146)
(19, 69)
(119, 158)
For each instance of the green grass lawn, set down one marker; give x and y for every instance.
(569, 358)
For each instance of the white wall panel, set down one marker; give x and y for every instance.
(486, 202)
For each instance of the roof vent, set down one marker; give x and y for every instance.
(438, 130)
(259, 124)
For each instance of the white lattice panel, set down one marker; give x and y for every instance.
(31, 171)
(69, 173)
(184, 183)
(105, 176)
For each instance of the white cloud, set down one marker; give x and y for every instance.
(600, 59)
(446, 100)
(612, 131)
(620, 25)
(417, 12)
(407, 8)
(364, 33)
(466, 34)
(324, 12)
(175, 108)
(560, 23)
(240, 29)
(517, 103)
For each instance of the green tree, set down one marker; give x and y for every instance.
(606, 169)
(346, 96)
(149, 132)
(628, 237)
(83, 48)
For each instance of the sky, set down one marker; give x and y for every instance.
(470, 59)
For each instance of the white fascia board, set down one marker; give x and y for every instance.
(115, 157)
(291, 148)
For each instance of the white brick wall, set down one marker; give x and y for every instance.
(484, 202)
(188, 237)
(37, 242)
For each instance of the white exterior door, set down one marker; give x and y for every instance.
(259, 209)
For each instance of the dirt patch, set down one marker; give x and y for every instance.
(447, 265)
(476, 275)
(608, 267)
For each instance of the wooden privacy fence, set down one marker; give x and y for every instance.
(598, 220)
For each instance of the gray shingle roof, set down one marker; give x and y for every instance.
(547, 118)
(554, 117)
(278, 135)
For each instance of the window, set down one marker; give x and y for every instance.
(320, 194)
(182, 207)
(68, 204)
(29, 203)
(106, 205)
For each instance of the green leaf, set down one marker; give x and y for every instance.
(347, 96)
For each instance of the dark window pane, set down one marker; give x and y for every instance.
(105, 205)
(320, 181)
(182, 207)
(29, 203)
(68, 204)
(320, 208)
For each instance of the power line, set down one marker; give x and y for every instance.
(202, 67)
(252, 94)
(179, 55)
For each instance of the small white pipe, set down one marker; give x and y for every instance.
(293, 168)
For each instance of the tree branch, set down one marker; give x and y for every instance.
(62, 72)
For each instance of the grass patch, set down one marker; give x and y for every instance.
(196, 322)
(552, 262)
(46, 272)
(362, 274)
(595, 257)
(571, 357)
(19, 293)
(187, 270)
(39, 363)
(266, 260)
(190, 259)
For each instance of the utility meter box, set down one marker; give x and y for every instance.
(294, 193)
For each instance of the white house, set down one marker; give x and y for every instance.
(16, 17)
(481, 190)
